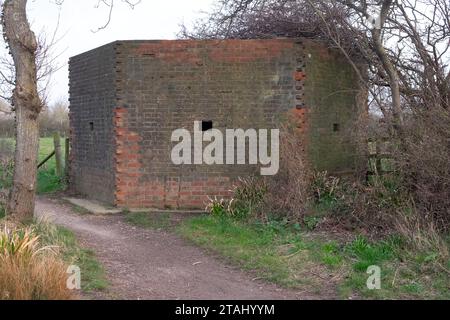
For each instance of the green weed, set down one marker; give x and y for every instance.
(147, 220)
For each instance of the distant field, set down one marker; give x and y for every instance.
(48, 181)
(46, 147)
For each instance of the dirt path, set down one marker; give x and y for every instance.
(151, 264)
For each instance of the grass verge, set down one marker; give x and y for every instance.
(30, 270)
(272, 251)
(63, 251)
(296, 258)
(92, 273)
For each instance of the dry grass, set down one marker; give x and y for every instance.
(424, 236)
(29, 270)
(284, 195)
(288, 191)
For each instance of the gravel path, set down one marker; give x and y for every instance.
(152, 264)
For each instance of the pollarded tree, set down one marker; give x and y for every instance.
(27, 105)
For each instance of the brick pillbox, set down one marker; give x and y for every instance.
(127, 97)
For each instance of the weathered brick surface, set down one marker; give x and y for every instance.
(140, 91)
(334, 97)
(92, 100)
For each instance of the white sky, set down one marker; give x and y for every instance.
(151, 19)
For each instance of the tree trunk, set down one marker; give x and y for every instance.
(22, 195)
(27, 104)
(394, 79)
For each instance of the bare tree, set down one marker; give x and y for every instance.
(405, 43)
(27, 104)
(55, 118)
(26, 101)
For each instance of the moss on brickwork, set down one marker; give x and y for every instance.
(331, 91)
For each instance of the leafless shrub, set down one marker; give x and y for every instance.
(55, 119)
(354, 206)
(422, 160)
(246, 19)
(288, 191)
(405, 45)
(285, 194)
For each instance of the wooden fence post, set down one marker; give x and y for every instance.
(58, 154)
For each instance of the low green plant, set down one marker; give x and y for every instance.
(48, 180)
(366, 254)
(405, 273)
(331, 254)
(325, 187)
(219, 207)
(329, 194)
(277, 226)
(311, 222)
(373, 206)
(228, 208)
(148, 220)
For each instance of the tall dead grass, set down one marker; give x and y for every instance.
(288, 191)
(284, 195)
(29, 270)
(423, 236)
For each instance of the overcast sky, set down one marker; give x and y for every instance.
(151, 19)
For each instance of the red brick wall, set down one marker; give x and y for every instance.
(167, 85)
(172, 192)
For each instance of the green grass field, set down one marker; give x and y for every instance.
(48, 181)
